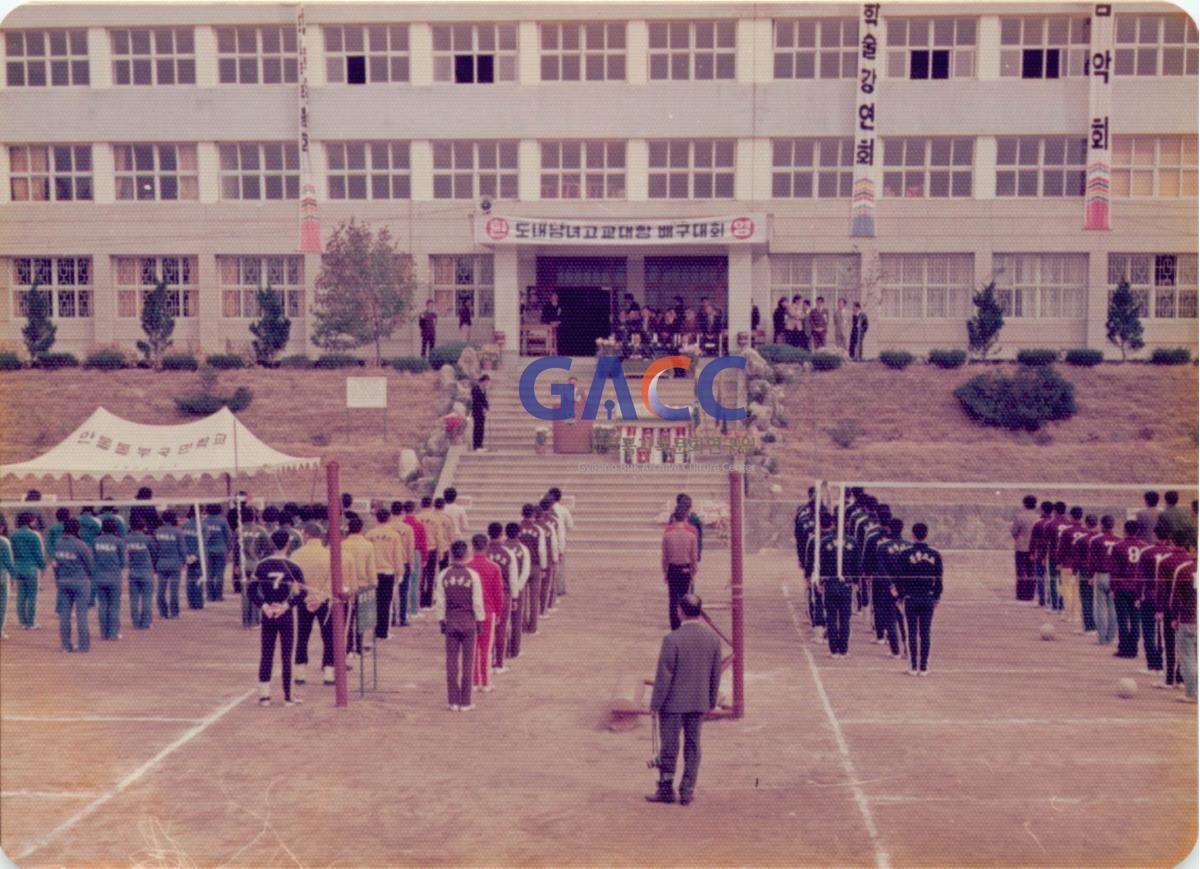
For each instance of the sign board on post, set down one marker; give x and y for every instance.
(369, 392)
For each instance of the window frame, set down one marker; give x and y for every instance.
(396, 59)
(613, 62)
(480, 292)
(586, 173)
(342, 178)
(961, 56)
(183, 302)
(816, 174)
(288, 174)
(52, 177)
(1071, 54)
(243, 291)
(81, 295)
(181, 63)
(670, 171)
(260, 58)
(1151, 291)
(1034, 296)
(73, 60)
(899, 295)
(1132, 52)
(720, 60)
(499, 175)
(808, 276)
(1020, 173)
(1126, 169)
(185, 181)
(503, 63)
(810, 50)
(952, 170)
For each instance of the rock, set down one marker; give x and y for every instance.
(756, 366)
(446, 373)
(410, 466)
(459, 409)
(469, 363)
(438, 443)
(431, 466)
(776, 489)
(462, 392)
(760, 415)
(442, 406)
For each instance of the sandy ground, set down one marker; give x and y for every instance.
(152, 752)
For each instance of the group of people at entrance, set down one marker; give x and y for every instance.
(800, 324)
(1130, 581)
(871, 567)
(644, 330)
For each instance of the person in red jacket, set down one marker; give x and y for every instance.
(1126, 584)
(1070, 532)
(493, 606)
(1037, 551)
(1165, 580)
(1152, 639)
(1181, 609)
(1099, 561)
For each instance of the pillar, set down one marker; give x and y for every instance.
(507, 292)
(741, 282)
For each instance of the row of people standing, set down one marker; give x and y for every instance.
(800, 324)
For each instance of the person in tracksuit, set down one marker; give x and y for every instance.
(535, 543)
(1099, 561)
(315, 563)
(1125, 572)
(109, 563)
(278, 585)
(565, 523)
(420, 556)
(1152, 557)
(499, 555)
(170, 556)
(837, 589)
(1037, 555)
(139, 553)
(458, 605)
(29, 559)
(73, 571)
(255, 546)
(549, 525)
(919, 583)
(884, 558)
(804, 526)
(521, 560)
(408, 540)
(1165, 580)
(8, 571)
(492, 581)
(218, 542)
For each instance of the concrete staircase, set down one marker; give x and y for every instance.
(615, 506)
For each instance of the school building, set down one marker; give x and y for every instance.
(897, 154)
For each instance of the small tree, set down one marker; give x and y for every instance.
(983, 330)
(364, 289)
(158, 324)
(272, 328)
(39, 329)
(1124, 321)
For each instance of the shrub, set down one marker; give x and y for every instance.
(1037, 358)
(411, 363)
(1083, 357)
(337, 360)
(240, 400)
(53, 361)
(10, 362)
(783, 354)
(948, 358)
(845, 433)
(206, 404)
(298, 361)
(448, 353)
(225, 361)
(106, 360)
(826, 361)
(896, 358)
(1171, 356)
(1031, 397)
(180, 362)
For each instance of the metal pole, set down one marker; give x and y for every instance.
(735, 570)
(334, 495)
(841, 525)
(200, 550)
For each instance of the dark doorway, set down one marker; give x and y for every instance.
(586, 288)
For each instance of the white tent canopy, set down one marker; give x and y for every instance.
(105, 445)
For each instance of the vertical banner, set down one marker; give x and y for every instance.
(310, 223)
(1097, 206)
(862, 206)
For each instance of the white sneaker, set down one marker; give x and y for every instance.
(295, 701)
(833, 654)
(298, 675)
(454, 707)
(488, 689)
(500, 669)
(1162, 685)
(482, 450)
(466, 708)
(923, 673)
(911, 672)
(264, 701)
(327, 675)
(1185, 699)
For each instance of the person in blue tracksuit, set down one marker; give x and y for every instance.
(73, 571)
(108, 570)
(195, 578)
(218, 542)
(170, 556)
(61, 515)
(30, 559)
(8, 571)
(139, 553)
(89, 525)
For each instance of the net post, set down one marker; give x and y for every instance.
(333, 492)
(841, 526)
(736, 506)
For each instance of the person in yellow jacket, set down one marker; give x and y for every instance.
(439, 534)
(313, 560)
(404, 572)
(358, 572)
(390, 561)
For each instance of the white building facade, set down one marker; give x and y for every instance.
(142, 142)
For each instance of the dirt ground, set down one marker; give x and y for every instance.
(152, 752)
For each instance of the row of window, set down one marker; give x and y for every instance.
(1032, 47)
(914, 167)
(914, 286)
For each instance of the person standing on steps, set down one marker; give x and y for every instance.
(428, 325)
(479, 409)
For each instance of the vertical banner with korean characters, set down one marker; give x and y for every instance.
(862, 206)
(1097, 193)
(310, 223)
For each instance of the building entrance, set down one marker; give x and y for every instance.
(587, 288)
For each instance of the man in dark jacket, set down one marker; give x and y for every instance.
(479, 408)
(685, 688)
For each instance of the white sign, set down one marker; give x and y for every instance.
(366, 392)
(513, 229)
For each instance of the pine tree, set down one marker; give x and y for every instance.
(158, 323)
(364, 290)
(983, 330)
(1124, 321)
(39, 329)
(272, 328)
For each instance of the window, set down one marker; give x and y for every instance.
(805, 168)
(358, 53)
(588, 170)
(1040, 165)
(251, 170)
(687, 169)
(36, 172)
(138, 275)
(1155, 45)
(701, 50)
(474, 53)
(1044, 47)
(1164, 284)
(926, 286)
(465, 169)
(67, 278)
(459, 280)
(37, 58)
(149, 172)
(834, 276)
(927, 168)
(253, 55)
(816, 48)
(589, 51)
(368, 170)
(243, 276)
(1147, 166)
(1045, 285)
(161, 56)
(931, 48)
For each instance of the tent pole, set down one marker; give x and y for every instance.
(200, 550)
(70, 488)
(101, 488)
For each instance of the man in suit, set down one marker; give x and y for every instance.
(685, 688)
(479, 409)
